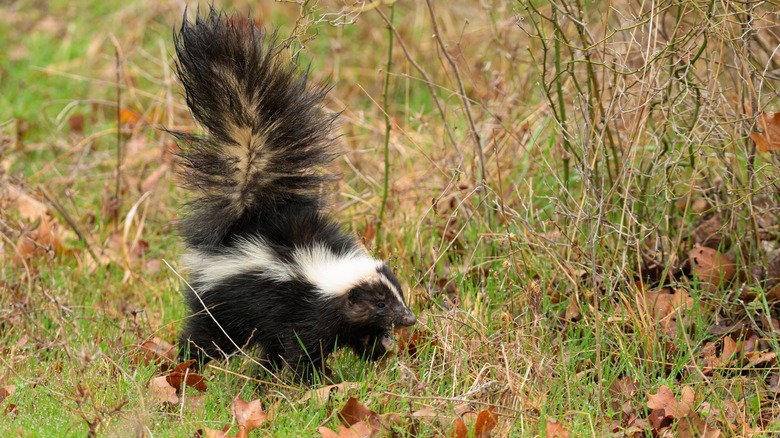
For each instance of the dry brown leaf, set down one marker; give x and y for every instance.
(709, 233)
(46, 237)
(555, 429)
(727, 354)
(156, 350)
(756, 358)
(768, 139)
(6, 391)
(685, 406)
(659, 420)
(249, 415)
(693, 425)
(622, 390)
(712, 268)
(358, 430)
(161, 391)
(459, 429)
(322, 395)
(327, 433)
(664, 400)
(487, 420)
(354, 412)
(667, 306)
(212, 433)
(76, 123)
(182, 374)
(11, 410)
(13, 197)
(128, 117)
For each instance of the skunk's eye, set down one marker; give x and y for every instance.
(381, 305)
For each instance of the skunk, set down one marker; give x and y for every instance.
(268, 267)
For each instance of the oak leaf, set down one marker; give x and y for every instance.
(768, 139)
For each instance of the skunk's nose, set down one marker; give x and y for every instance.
(408, 319)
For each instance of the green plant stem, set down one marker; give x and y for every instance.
(388, 126)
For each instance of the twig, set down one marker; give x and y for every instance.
(426, 79)
(463, 98)
(118, 53)
(84, 237)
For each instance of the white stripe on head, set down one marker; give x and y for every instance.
(248, 255)
(334, 274)
(396, 293)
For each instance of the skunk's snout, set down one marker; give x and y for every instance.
(408, 319)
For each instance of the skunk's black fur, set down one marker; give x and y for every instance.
(267, 267)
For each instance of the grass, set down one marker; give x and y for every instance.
(605, 145)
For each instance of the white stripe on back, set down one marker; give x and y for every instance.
(334, 274)
(331, 274)
(248, 255)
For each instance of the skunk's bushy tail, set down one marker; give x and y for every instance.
(266, 137)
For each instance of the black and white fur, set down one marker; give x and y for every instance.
(267, 266)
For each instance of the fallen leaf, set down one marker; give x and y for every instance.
(663, 400)
(76, 123)
(622, 390)
(357, 430)
(11, 410)
(666, 306)
(13, 197)
(212, 433)
(710, 233)
(321, 395)
(693, 425)
(659, 420)
(182, 374)
(354, 412)
(327, 433)
(712, 268)
(487, 420)
(46, 237)
(459, 430)
(128, 117)
(768, 138)
(766, 359)
(6, 391)
(161, 391)
(665, 408)
(156, 350)
(249, 415)
(555, 429)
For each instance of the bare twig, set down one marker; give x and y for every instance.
(464, 100)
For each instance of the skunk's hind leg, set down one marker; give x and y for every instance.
(204, 340)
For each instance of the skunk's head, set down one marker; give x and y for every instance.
(364, 289)
(376, 300)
